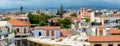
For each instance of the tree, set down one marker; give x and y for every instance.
(42, 23)
(73, 14)
(5, 19)
(40, 19)
(87, 20)
(33, 18)
(118, 27)
(65, 23)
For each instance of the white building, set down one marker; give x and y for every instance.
(108, 19)
(47, 31)
(105, 18)
(7, 37)
(22, 31)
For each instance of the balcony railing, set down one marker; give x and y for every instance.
(95, 23)
(4, 33)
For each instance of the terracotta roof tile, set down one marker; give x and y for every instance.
(65, 32)
(78, 19)
(15, 22)
(48, 27)
(104, 38)
(114, 31)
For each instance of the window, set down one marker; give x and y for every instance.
(118, 44)
(8, 29)
(100, 32)
(18, 30)
(5, 35)
(97, 45)
(52, 33)
(25, 30)
(110, 45)
(47, 33)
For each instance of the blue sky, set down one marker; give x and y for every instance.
(55, 3)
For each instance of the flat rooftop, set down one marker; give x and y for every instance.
(59, 41)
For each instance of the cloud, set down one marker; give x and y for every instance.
(51, 3)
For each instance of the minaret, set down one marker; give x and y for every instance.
(21, 9)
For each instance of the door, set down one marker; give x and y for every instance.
(40, 34)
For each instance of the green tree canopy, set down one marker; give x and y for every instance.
(40, 19)
(42, 23)
(87, 20)
(73, 14)
(34, 19)
(65, 23)
(5, 19)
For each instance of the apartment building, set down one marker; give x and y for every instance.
(7, 37)
(21, 28)
(79, 23)
(104, 17)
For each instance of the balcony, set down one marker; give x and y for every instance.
(22, 34)
(96, 23)
(5, 33)
(11, 40)
(112, 23)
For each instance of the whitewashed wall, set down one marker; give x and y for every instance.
(57, 34)
(43, 33)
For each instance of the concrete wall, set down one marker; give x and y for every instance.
(106, 43)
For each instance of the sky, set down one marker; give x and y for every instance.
(55, 3)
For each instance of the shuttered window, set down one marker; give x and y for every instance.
(47, 33)
(52, 33)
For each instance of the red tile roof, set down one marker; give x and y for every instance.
(104, 38)
(114, 31)
(78, 19)
(18, 23)
(65, 32)
(48, 27)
